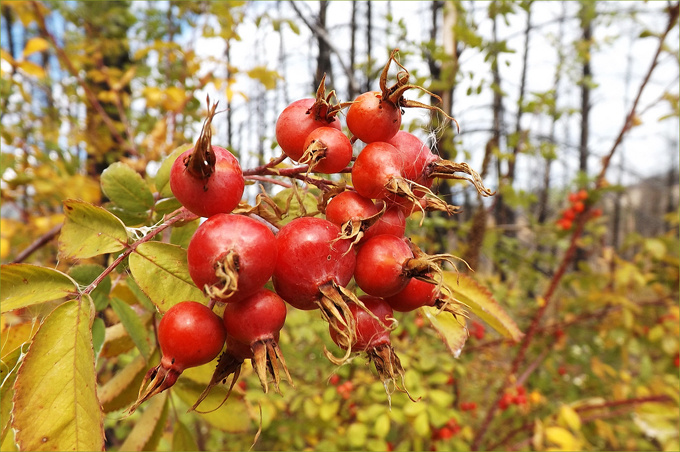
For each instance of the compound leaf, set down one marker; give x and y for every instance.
(25, 285)
(89, 231)
(55, 400)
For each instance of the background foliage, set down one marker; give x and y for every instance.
(97, 95)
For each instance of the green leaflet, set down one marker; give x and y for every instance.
(25, 285)
(163, 174)
(133, 325)
(126, 188)
(90, 231)
(480, 301)
(55, 400)
(161, 271)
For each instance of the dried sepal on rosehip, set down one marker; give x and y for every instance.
(373, 338)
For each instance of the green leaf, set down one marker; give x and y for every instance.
(480, 301)
(148, 430)
(161, 271)
(126, 188)
(55, 404)
(231, 417)
(84, 275)
(98, 336)
(163, 174)
(139, 294)
(89, 231)
(357, 434)
(130, 219)
(182, 439)
(181, 236)
(133, 325)
(167, 205)
(382, 425)
(25, 285)
(450, 329)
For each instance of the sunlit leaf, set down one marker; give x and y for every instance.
(14, 336)
(134, 326)
(562, 438)
(35, 44)
(181, 236)
(570, 418)
(90, 231)
(265, 76)
(25, 285)
(183, 439)
(162, 272)
(126, 188)
(163, 174)
(452, 330)
(55, 403)
(481, 302)
(31, 68)
(9, 374)
(117, 340)
(148, 430)
(357, 434)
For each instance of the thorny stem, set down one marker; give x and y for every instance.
(673, 13)
(181, 214)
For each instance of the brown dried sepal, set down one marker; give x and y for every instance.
(389, 369)
(334, 310)
(354, 230)
(201, 162)
(267, 355)
(407, 189)
(395, 94)
(227, 272)
(425, 267)
(156, 380)
(326, 106)
(446, 169)
(326, 196)
(227, 364)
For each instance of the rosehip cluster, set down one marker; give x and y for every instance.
(518, 398)
(578, 201)
(311, 260)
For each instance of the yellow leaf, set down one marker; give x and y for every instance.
(482, 303)
(537, 438)
(174, 98)
(148, 429)
(562, 438)
(32, 69)
(34, 45)
(570, 418)
(153, 96)
(55, 403)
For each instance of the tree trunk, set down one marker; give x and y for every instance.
(323, 61)
(351, 93)
(369, 58)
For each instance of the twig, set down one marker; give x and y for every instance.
(37, 244)
(181, 214)
(571, 251)
(323, 35)
(268, 180)
(529, 425)
(271, 164)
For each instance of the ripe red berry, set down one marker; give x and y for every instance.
(231, 256)
(573, 197)
(381, 265)
(256, 320)
(392, 222)
(569, 214)
(578, 207)
(327, 150)
(219, 192)
(416, 294)
(189, 335)
(371, 119)
(297, 121)
(308, 258)
(505, 401)
(370, 331)
(416, 155)
(582, 195)
(334, 379)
